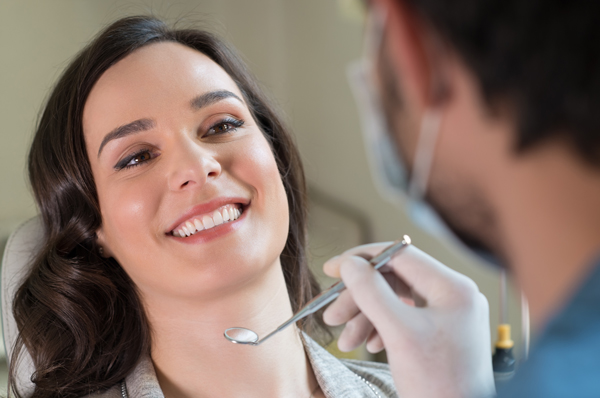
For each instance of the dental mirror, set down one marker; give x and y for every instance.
(239, 335)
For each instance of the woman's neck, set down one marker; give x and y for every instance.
(192, 358)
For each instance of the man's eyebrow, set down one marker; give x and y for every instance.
(212, 97)
(127, 129)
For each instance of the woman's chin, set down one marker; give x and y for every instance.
(235, 275)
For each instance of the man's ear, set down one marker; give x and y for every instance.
(417, 53)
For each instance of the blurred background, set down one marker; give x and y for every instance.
(299, 51)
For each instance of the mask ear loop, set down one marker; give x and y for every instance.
(430, 126)
(525, 328)
(373, 39)
(429, 131)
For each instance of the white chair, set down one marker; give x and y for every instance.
(20, 249)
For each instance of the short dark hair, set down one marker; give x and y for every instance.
(79, 314)
(542, 57)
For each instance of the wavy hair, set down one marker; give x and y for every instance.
(79, 314)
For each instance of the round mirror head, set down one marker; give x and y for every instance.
(241, 336)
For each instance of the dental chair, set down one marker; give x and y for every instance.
(20, 249)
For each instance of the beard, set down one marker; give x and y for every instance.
(467, 213)
(460, 204)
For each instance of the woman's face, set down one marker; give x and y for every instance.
(191, 198)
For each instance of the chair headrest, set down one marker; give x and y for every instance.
(23, 244)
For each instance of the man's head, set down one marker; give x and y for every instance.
(516, 84)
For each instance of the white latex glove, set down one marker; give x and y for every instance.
(432, 321)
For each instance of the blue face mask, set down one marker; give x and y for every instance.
(387, 167)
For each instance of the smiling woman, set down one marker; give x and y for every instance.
(174, 207)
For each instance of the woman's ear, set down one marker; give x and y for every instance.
(103, 248)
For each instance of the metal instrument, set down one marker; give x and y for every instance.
(241, 335)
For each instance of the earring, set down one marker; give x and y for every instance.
(101, 251)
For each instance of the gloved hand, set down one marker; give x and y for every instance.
(432, 321)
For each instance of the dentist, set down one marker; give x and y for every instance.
(484, 116)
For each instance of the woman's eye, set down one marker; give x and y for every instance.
(135, 159)
(225, 126)
(142, 157)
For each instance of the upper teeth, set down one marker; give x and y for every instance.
(221, 215)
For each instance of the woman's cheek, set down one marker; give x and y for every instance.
(259, 169)
(127, 214)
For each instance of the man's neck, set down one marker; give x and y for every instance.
(193, 359)
(551, 225)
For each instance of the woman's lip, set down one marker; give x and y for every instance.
(205, 208)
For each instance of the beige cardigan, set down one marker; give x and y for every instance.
(337, 378)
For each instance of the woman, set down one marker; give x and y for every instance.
(174, 205)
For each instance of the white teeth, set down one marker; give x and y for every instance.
(217, 217)
(191, 227)
(221, 216)
(208, 222)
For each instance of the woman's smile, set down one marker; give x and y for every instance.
(206, 224)
(222, 215)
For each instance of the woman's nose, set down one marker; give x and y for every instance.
(192, 166)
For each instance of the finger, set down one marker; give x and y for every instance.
(431, 282)
(341, 310)
(396, 283)
(332, 266)
(429, 279)
(374, 342)
(355, 333)
(376, 299)
(406, 294)
(344, 308)
(400, 287)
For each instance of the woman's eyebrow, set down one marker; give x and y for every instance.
(146, 124)
(127, 129)
(212, 97)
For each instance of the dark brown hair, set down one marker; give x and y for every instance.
(539, 56)
(79, 314)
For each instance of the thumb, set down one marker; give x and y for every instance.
(375, 298)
